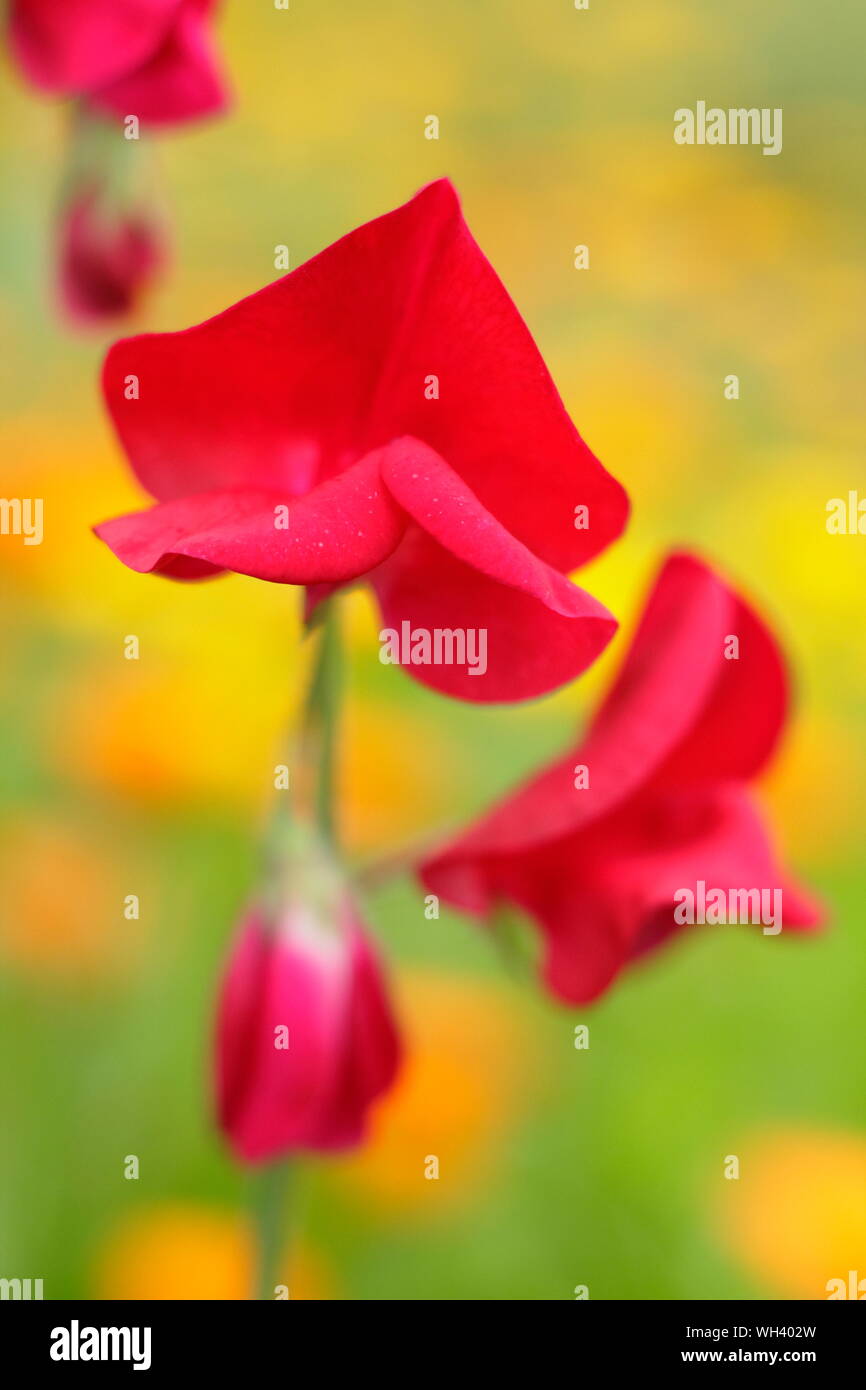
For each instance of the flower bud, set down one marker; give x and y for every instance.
(305, 1036)
(107, 255)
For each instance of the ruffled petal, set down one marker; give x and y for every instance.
(526, 629)
(340, 530)
(517, 644)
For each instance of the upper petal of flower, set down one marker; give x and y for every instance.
(743, 716)
(295, 382)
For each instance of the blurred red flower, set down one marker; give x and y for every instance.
(380, 412)
(601, 847)
(149, 58)
(305, 1036)
(108, 255)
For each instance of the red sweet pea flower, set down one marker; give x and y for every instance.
(390, 396)
(108, 256)
(149, 58)
(607, 869)
(305, 1036)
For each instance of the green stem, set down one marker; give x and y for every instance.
(273, 1186)
(511, 941)
(314, 769)
(318, 737)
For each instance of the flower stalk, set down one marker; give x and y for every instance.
(313, 777)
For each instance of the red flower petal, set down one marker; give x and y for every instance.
(181, 81)
(149, 58)
(530, 648)
(464, 570)
(740, 723)
(76, 46)
(618, 898)
(370, 1056)
(341, 529)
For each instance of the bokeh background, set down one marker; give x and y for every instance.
(559, 1167)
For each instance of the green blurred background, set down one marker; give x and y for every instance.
(559, 1167)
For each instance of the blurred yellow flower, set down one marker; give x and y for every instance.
(815, 786)
(637, 409)
(68, 462)
(778, 514)
(185, 1251)
(796, 1218)
(165, 734)
(470, 1057)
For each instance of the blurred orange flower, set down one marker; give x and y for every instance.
(185, 1251)
(396, 777)
(469, 1060)
(62, 904)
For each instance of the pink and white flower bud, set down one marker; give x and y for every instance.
(306, 1040)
